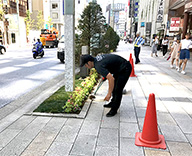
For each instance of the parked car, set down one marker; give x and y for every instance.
(60, 49)
(2, 49)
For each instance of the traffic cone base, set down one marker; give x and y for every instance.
(152, 144)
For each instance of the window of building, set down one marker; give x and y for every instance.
(54, 6)
(55, 15)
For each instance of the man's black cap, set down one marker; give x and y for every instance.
(85, 58)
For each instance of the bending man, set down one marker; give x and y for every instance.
(116, 70)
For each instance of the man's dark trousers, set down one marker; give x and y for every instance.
(120, 81)
(137, 52)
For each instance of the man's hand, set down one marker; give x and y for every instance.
(111, 80)
(107, 98)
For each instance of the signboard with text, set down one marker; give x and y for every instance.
(175, 24)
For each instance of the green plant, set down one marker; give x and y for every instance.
(29, 22)
(77, 97)
(91, 25)
(40, 20)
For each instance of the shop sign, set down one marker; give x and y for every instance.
(175, 24)
(160, 11)
(142, 24)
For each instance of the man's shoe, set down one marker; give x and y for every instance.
(111, 113)
(109, 105)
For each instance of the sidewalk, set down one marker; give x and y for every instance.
(97, 135)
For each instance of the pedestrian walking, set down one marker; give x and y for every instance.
(155, 43)
(175, 53)
(184, 53)
(165, 43)
(116, 70)
(137, 47)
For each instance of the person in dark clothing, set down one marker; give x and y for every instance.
(116, 70)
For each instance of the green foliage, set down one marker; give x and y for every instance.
(77, 97)
(49, 22)
(54, 104)
(110, 40)
(91, 25)
(77, 49)
(40, 20)
(29, 22)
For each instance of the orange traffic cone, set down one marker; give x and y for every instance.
(133, 71)
(130, 58)
(149, 136)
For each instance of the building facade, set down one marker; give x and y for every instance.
(14, 29)
(180, 17)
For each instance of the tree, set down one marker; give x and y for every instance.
(28, 22)
(110, 40)
(40, 20)
(49, 22)
(91, 26)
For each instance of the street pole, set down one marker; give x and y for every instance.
(113, 15)
(131, 18)
(69, 39)
(19, 38)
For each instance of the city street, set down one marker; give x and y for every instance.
(22, 134)
(20, 73)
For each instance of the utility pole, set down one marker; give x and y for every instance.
(69, 37)
(131, 26)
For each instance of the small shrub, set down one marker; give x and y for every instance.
(78, 97)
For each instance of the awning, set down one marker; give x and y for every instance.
(177, 4)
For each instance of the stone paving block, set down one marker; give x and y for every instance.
(59, 149)
(127, 116)
(84, 145)
(189, 137)
(106, 151)
(165, 119)
(128, 148)
(173, 133)
(54, 125)
(95, 111)
(140, 102)
(69, 131)
(22, 122)
(6, 136)
(182, 118)
(160, 106)
(140, 112)
(40, 144)
(180, 149)
(187, 106)
(108, 137)
(23, 139)
(110, 122)
(15, 148)
(128, 130)
(90, 127)
(33, 128)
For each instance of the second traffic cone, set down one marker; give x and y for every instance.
(130, 57)
(149, 136)
(133, 71)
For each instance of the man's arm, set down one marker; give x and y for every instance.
(111, 82)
